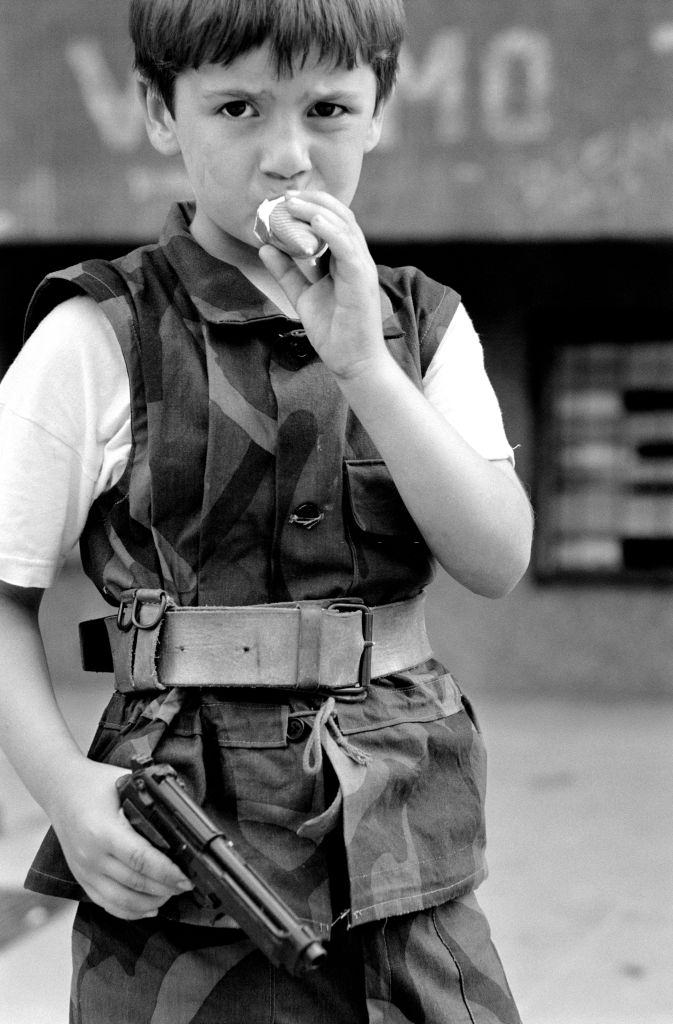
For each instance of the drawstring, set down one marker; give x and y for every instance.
(312, 760)
(353, 752)
(324, 719)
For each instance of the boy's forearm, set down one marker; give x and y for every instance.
(473, 513)
(117, 868)
(33, 732)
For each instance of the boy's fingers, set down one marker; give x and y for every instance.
(156, 868)
(285, 271)
(335, 226)
(140, 883)
(306, 209)
(329, 219)
(320, 201)
(122, 902)
(139, 859)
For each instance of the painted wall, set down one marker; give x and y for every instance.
(512, 119)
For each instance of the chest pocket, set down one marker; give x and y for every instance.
(391, 560)
(374, 502)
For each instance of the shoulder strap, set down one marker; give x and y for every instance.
(434, 305)
(103, 283)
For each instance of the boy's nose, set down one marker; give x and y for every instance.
(285, 153)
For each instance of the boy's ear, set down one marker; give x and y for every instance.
(375, 129)
(158, 121)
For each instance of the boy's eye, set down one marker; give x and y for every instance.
(237, 109)
(326, 109)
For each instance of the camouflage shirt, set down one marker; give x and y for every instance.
(239, 431)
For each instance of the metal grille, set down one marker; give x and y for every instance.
(605, 503)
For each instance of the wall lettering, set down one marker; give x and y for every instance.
(516, 86)
(439, 81)
(510, 119)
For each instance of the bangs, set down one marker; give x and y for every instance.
(171, 36)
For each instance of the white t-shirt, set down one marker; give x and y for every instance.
(65, 428)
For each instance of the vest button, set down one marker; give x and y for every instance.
(307, 515)
(296, 346)
(296, 730)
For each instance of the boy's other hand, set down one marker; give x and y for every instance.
(117, 868)
(340, 312)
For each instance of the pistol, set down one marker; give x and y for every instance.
(156, 803)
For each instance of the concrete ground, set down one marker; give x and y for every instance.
(580, 894)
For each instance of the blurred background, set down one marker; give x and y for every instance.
(527, 162)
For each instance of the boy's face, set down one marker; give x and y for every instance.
(245, 135)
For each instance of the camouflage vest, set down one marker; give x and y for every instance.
(250, 480)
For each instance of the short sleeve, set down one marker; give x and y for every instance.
(65, 437)
(457, 385)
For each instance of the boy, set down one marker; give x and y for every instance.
(227, 430)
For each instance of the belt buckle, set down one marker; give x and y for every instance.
(353, 694)
(135, 600)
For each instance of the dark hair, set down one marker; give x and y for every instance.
(171, 36)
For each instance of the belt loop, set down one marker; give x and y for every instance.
(354, 694)
(140, 634)
(308, 646)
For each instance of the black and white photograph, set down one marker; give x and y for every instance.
(336, 512)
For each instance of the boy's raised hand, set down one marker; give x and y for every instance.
(117, 868)
(340, 312)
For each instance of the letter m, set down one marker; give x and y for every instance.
(439, 80)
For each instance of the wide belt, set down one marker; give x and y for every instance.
(334, 645)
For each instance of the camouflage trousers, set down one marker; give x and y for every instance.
(436, 966)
